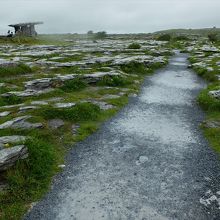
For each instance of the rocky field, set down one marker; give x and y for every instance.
(53, 96)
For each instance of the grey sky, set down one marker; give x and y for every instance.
(114, 16)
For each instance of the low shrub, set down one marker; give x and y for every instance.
(73, 85)
(134, 46)
(135, 68)
(164, 37)
(181, 38)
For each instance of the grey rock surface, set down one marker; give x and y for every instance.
(211, 124)
(9, 156)
(64, 105)
(11, 139)
(3, 114)
(55, 123)
(75, 128)
(215, 94)
(20, 123)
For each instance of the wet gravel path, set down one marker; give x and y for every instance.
(149, 162)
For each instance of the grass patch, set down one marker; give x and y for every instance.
(14, 70)
(134, 46)
(135, 68)
(74, 85)
(213, 135)
(207, 102)
(114, 81)
(80, 112)
(10, 100)
(29, 179)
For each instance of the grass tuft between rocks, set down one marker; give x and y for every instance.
(80, 112)
(14, 70)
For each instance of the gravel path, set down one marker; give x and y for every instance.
(150, 162)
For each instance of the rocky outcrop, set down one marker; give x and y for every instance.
(20, 123)
(9, 156)
(55, 123)
(11, 140)
(215, 94)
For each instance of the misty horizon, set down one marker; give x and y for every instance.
(111, 16)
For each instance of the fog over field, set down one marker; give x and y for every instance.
(124, 16)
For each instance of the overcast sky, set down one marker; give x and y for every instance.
(113, 16)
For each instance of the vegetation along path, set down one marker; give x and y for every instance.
(150, 162)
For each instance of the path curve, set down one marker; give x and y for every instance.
(150, 162)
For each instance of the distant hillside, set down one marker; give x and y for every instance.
(200, 32)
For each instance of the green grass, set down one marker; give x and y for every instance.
(207, 102)
(135, 68)
(10, 100)
(74, 85)
(29, 179)
(14, 70)
(134, 46)
(210, 104)
(114, 81)
(80, 112)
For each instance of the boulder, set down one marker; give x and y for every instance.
(9, 156)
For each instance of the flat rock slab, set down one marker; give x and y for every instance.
(28, 92)
(109, 96)
(20, 123)
(26, 108)
(3, 114)
(102, 105)
(64, 105)
(55, 123)
(39, 103)
(10, 123)
(9, 156)
(11, 140)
